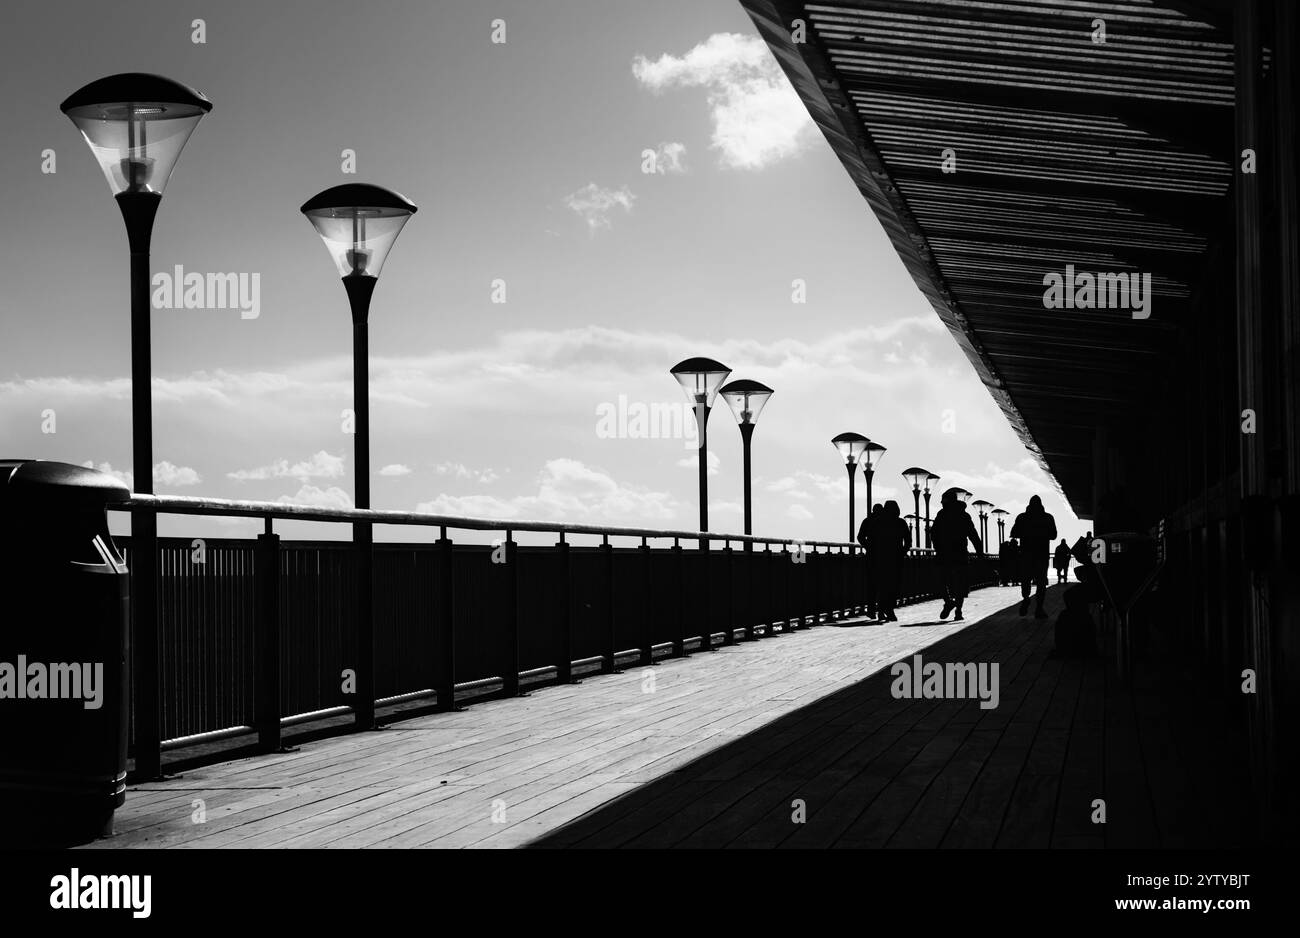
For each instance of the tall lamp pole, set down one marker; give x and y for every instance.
(929, 485)
(982, 507)
(851, 446)
(1000, 515)
(136, 126)
(359, 224)
(746, 399)
(700, 378)
(916, 476)
(870, 459)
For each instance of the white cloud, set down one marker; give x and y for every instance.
(332, 497)
(567, 490)
(320, 466)
(798, 513)
(395, 469)
(594, 204)
(1002, 480)
(165, 474)
(461, 471)
(693, 462)
(758, 118)
(670, 159)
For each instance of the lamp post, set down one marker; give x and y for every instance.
(982, 507)
(136, 126)
(929, 484)
(359, 224)
(700, 378)
(746, 399)
(916, 476)
(1001, 516)
(870, 459)
(851, 447)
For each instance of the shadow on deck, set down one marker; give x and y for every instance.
(873, 771)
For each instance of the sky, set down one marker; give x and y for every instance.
(613, 188)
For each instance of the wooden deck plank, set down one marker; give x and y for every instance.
(722, 750)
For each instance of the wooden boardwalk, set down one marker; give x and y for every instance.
(716, 749)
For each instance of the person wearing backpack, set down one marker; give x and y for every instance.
(951, 529)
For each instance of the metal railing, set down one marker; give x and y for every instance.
(256, 635)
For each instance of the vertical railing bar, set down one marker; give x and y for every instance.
(611, 640)
(648, 620)
(510, 680)
(446, 618)
(564, 667)
(679, 608)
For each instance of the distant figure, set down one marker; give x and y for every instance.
(888, 538)
(1008, 562)
(864, 539)
(1061, 561)
(951, 529)
(1036, 530)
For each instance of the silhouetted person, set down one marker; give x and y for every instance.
(1036, 530)
(864, 539)
(888, 538)
(1061, 560)
(1008, 560)
(951, 529)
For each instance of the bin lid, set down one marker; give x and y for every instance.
(60, 485)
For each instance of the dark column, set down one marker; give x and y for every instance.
(138, 211)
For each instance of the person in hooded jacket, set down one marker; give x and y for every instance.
(1061, 560)
(1036, 530)
(888, 538)
(951, 529)
(873, 579)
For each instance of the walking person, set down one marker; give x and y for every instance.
(889, 537)
(865, 532)
(1036, 530)
(1007, 563)
(951, 529)
(1061, 560)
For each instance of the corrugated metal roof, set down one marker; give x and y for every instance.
(1114, 157)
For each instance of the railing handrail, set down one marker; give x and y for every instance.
(223, 507)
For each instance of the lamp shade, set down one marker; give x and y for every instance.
(874, 453)
(700, 378)
(916, 475)
(746, 399)
(930, 480)
(851, 447)
(981, 504)
(358, 224)
(136, 126)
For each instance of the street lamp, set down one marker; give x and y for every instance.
(851, 447)
(136, 126)
(746, 399)
(700, 378)
(916, 476)
(870, 459)
(981, 506)
(929, 484)
(359, 224)
(1001, 516)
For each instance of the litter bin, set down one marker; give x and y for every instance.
(64, 649)
(1128, 567)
